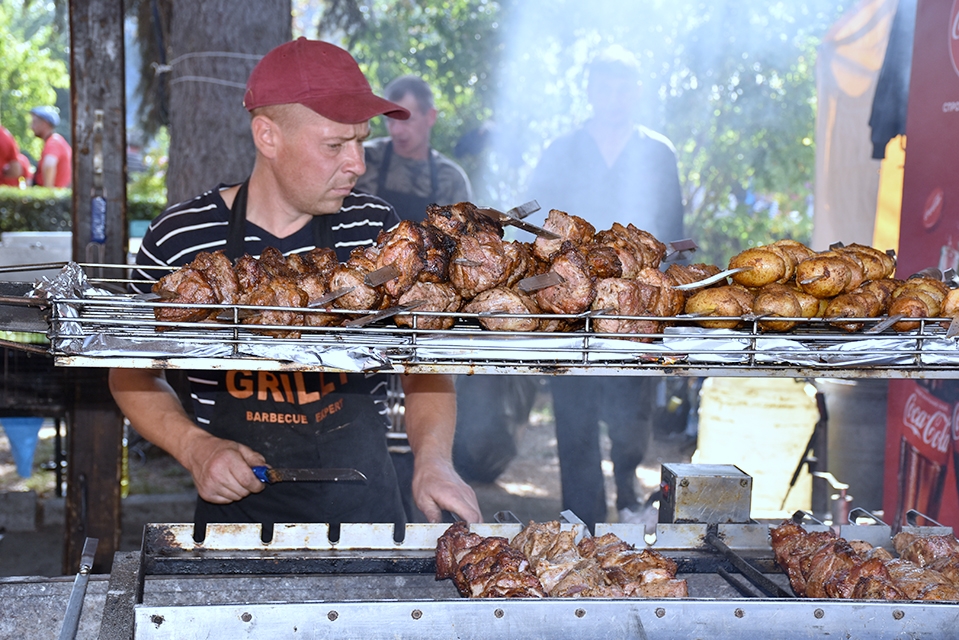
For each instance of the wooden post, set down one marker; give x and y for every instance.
(99, 236)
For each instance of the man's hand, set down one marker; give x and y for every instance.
(437, 488)
(221, 469)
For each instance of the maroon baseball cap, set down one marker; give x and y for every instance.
(320, 76)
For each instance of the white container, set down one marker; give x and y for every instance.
(762, 426)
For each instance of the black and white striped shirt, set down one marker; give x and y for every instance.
(177, 235)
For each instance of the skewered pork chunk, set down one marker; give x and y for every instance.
(436, 297)
(218, 271)
(577, 293)
(186, 284)
(276, 292)
(502, 299)
(208, 279)
(670, 301)
(690, 273)
(313, 271)
(405, 249)
(460, 219)
(603, 261)
(523, 261)
(570, 228)
(920, 583)
(362, 297)
(437, 250)
(625, 297)
(923, 550)
(480, 262)
(484, 567)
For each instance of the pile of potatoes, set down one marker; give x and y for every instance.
(786, 279)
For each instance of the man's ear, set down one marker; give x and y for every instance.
(431, 116)
(264, 132)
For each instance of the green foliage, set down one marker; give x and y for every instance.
(32, 67)
(149, 185)
(43, 209)
(35, 209)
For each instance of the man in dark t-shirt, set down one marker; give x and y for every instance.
(310, 107)
(610, 170)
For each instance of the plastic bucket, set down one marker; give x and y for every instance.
(762, 426)
(23, 434)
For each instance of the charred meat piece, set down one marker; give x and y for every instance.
(690, 273)
(570, 228)
(437, 297)
(313, 271)
(460, 219)
(403, 248)
(635, 248)
(625, 297)
(603, 261)
(484, 567)
(274, 263)
(480, 262)
(362, 297)
(577, 292)
(218, 271)
(185, 285)
(521, 257)
(924, 549)
(249, 273)
(276, 292)
(670, 301)
(438, 247)
(504, 300)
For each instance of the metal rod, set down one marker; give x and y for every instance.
(736, 583)
(71, 620)
(767, 586)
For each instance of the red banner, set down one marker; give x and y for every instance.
(918, 472)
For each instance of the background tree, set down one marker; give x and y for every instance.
(33, 68)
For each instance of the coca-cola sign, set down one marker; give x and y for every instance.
(954, 36)
(928, 424)
(933, 208)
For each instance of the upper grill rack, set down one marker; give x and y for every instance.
(116, 329)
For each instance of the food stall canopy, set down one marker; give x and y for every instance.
(847, 73)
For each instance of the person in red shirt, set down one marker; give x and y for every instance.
(55, 168)
(13, 164)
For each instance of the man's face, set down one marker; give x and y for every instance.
(411, 138)
(318, 161)
(39, 126)
(613, 97)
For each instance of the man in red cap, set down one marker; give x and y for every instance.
(310, 106)
(55, 168)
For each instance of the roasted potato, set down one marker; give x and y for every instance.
(762, 267)
(797, 250)
(717, 302)
(857, 272)
(913, 304)
(780, 303)
(823, 276)
(860, 303)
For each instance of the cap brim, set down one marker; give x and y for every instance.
(356, 108)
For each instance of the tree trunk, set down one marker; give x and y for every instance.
(214, 45)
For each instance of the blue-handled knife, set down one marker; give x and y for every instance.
(267, 475)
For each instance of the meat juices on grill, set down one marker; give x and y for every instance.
(570, 228)
(577, 292)
(504, 300)
(437, 296)
(625, 297)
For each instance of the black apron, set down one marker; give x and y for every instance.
(407, 205)
(304, 419)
